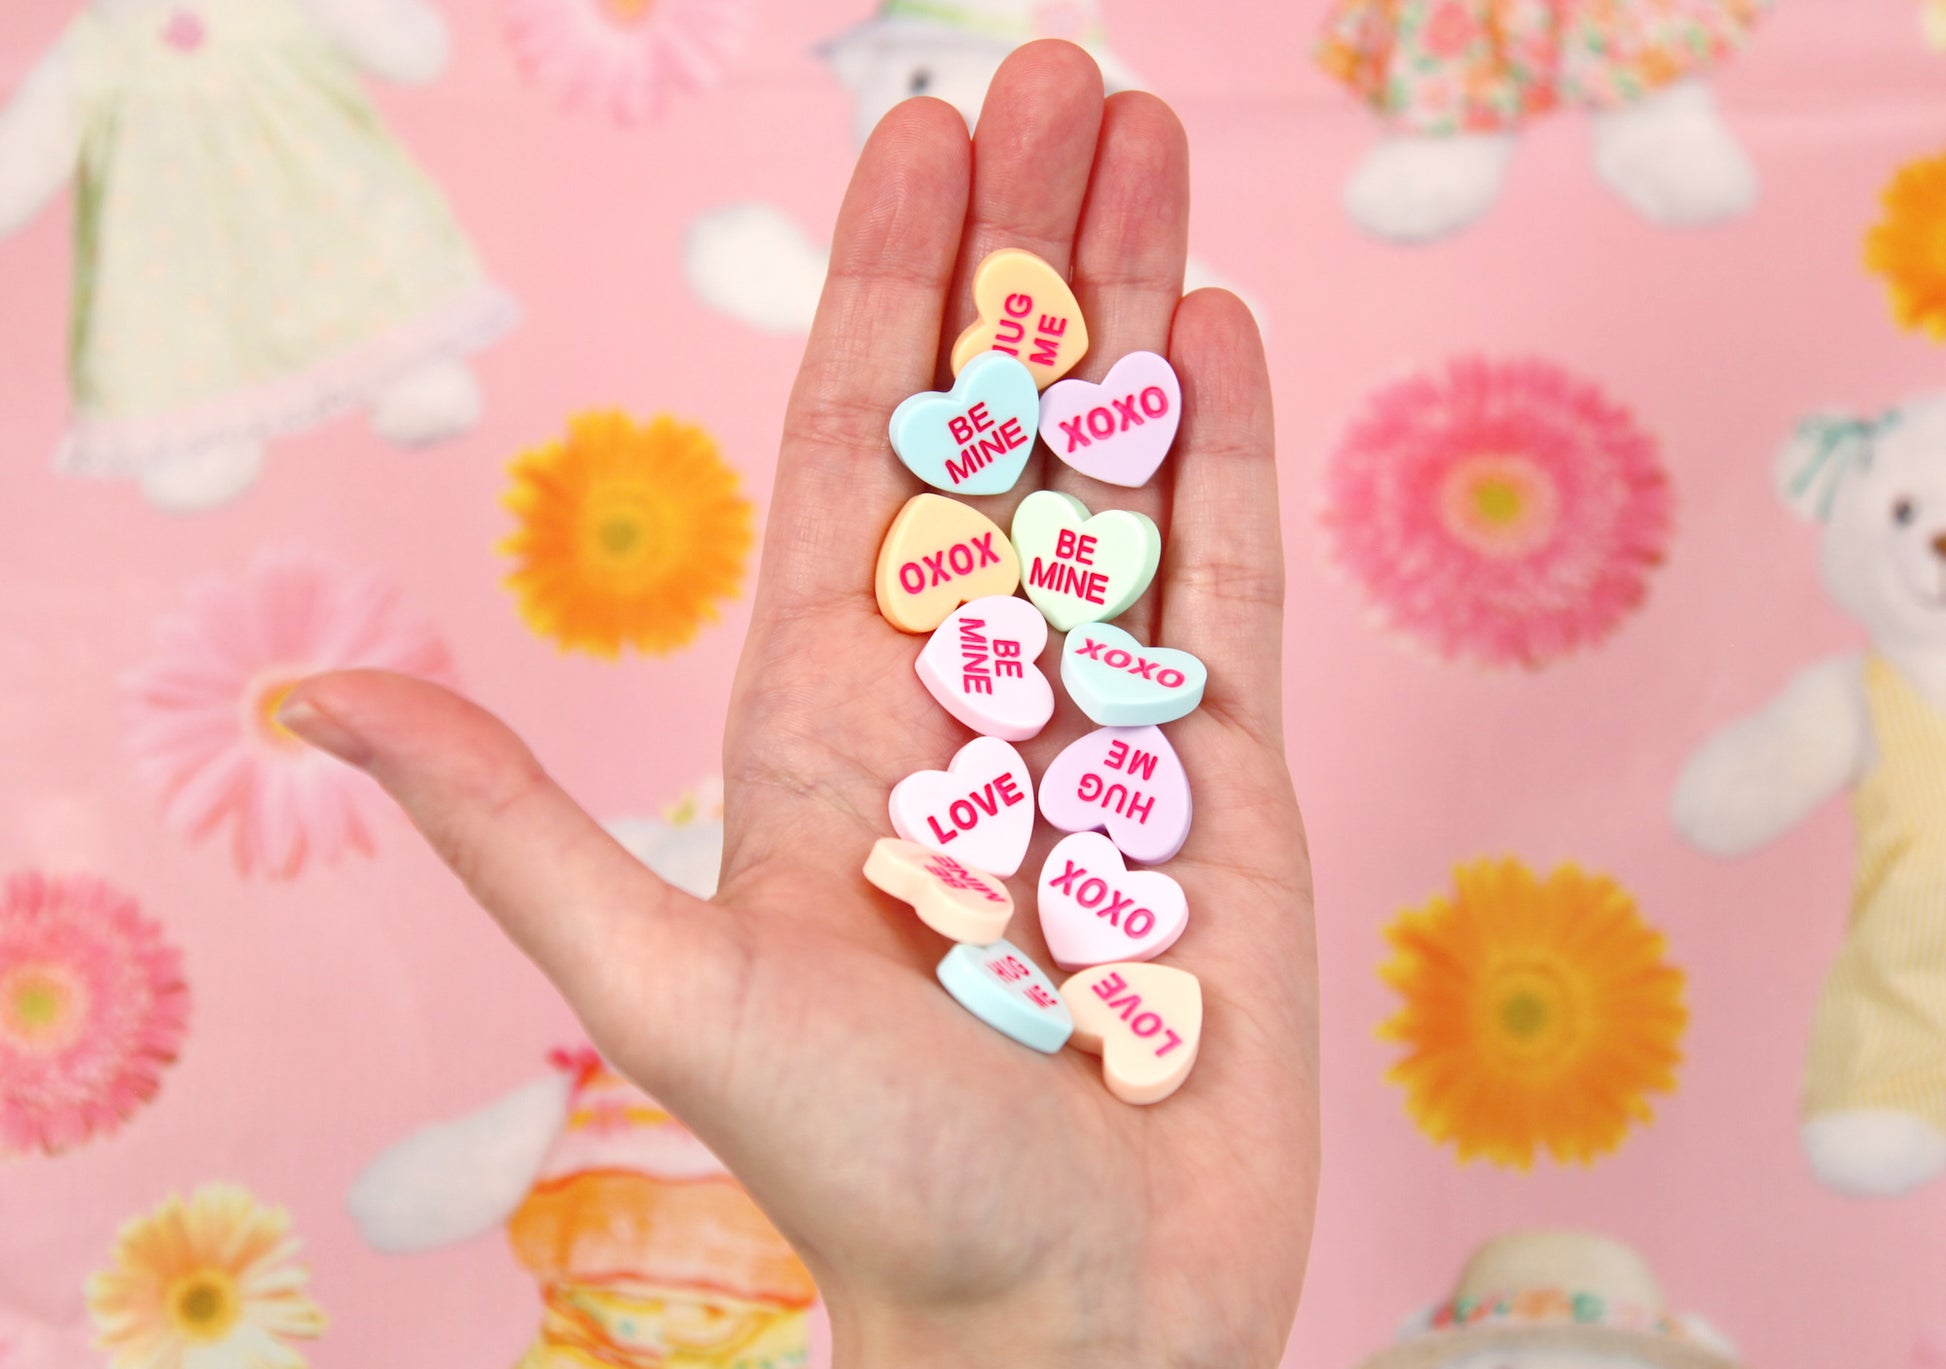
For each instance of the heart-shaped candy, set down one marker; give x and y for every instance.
(1117, 431)
(938, 554)
(980, 808)
(1127, 781)
(1082, 569)
(1026, 311)
(1004, 989)
(1145, 1021)
(979, 664)
(976, 437)
(954, 900)
(1118, 682)
(1095, 910)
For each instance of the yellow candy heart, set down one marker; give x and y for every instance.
(939, 554)
(1026, 311)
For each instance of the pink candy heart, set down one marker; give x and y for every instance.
(1117, 431)
(980, 808)
(1127, 781)
(1095, 910)
(980, 666)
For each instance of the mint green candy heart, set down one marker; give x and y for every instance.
(1118, 682)
(1078, 568)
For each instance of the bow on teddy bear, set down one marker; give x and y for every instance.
(1873, 722)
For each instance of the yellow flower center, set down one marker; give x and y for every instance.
(1531, 1016)
(204, 1305)
(623, 540)
(40, 1007)
(628, 11)
(37, 1003)
(1500, 506)
(269, 697)
(1497, 501)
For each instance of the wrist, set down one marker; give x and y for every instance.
(973, 1335)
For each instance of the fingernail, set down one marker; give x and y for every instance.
(309, 723)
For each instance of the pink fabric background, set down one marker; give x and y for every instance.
(336, 1012)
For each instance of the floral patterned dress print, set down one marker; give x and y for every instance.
(1449, 66)
(254, 251)
(649, 1255)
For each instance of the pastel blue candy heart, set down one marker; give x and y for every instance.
(1004, 989)
(1118, 682)
(976, 437)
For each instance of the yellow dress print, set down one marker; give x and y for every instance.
(648, 1254)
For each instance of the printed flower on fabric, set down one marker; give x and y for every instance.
(210, 1283)
(1934, 21)
(1503, 512)
(624, 57)
(685, 844)
(630, 535)
(1539, 1014)
(203, 708)
(1907, 246)
(93, 1008)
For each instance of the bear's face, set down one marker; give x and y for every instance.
(1884, 550)
(891, 65)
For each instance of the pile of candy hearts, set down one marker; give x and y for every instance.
(1120, 792)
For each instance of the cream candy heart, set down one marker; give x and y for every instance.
(1095, 910)
(1081, 568)
(1117, 431)
(1028, 312)
(1145, 1021)
(937, 555)
(979, 809)
(1127, 781)
(958, 902)
(979, 665)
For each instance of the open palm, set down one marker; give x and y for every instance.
(960, 1199)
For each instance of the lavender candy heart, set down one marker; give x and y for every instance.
(1119, 430)
(1126, 781)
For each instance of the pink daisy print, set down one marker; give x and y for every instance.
(623, 57)
(203, 709)
(1505, 512)
(92, 1008)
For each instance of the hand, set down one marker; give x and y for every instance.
(960, 1199)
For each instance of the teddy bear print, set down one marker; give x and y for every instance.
(753, 262)
(1873, 723)
(254, 252)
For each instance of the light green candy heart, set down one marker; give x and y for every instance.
(1081, 569)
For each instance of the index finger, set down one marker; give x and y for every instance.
(872, 344)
